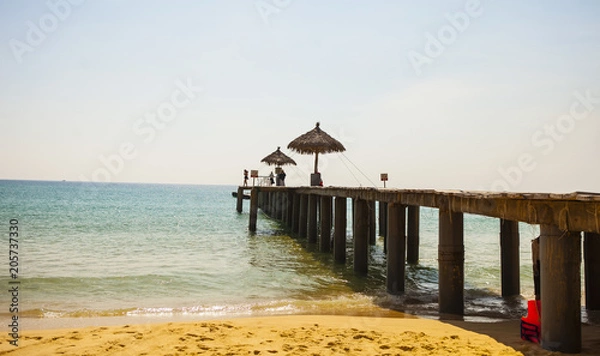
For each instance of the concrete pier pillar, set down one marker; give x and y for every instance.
(509, 258)
(289, 208)
(303, 215)
(266, 202)
(275, 205)
(272, 205)
(383, 223)
(412, 243)
(284, 205)
(372, 222)
(591, 252)
(279, 203)
(253, 209)
(396, 252)
(383, 214)
(325, 217)
(560, 283)
(451, 256)
(261, 201)
(295, 213)
(240, 201)
(353, 213)
(312, 218)
(361, 235)
(339, 238)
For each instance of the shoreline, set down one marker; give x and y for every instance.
(375, 333)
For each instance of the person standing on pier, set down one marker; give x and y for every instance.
(245, 177)
(271, 178)
(281, 177)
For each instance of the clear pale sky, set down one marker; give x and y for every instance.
(489, 95)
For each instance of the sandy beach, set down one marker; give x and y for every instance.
(289, 335)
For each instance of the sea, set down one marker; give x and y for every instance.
(93, 250)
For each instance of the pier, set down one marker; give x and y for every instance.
(563, 219)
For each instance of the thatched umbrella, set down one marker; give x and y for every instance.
(278, 158)
(316, 141)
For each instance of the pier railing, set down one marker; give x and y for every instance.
(562, 219)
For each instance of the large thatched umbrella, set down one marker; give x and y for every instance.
(278, 159)
(316, 141)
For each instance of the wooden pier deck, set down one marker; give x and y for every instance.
(562, 218)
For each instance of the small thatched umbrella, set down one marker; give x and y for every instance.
(316, 141)
(278, 159)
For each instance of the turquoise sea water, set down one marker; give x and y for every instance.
(89, 249)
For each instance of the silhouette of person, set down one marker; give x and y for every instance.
(281, 177)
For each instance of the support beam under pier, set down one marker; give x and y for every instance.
(361, 235)
(341, 223)
(383, 223)
(240, 201)
(289, 208)
(303, 215)
(591, 252)
(383, 214)
(253, 209)
(560, 282)
(325, 217)
(372, 222)
(312, 217)
(396, 252)
(295, 213)
(412, 243)
(509, 258)
(451, 260)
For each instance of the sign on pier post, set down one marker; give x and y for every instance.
(254, 175)
(384, 178)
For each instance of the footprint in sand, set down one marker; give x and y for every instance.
(204, 347)
(362, 336)
(76, 337)
(181, 348)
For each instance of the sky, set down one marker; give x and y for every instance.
(471, 95)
